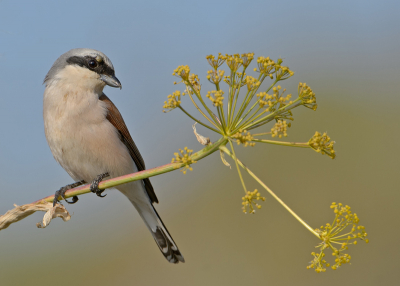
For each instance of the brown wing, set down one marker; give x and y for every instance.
(116, 119)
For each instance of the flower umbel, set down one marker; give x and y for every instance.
(234, 61)
(215, 76)
(338, 243)
(266, 66)
(217, 100)
(280, 128)
(247, 58)
(282, 73)
(174, 100)
(252, 107)
(244, 137)
(182, 72)
(322, 143)
(215, 63)
(307, 96)
(184, 156)
(249, 203)
(195, 82)
(251, 83)
(275, 100)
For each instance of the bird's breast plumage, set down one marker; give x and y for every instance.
(80, 137)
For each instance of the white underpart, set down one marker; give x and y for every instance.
(85, 143)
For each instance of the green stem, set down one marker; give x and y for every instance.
(202, 113)
(201, 100)
(198, 121)
(208, 150)
(261, 134)
(232, 112)
(271, 116)
(225, 150)
(237, 166)
(290, 144)
(239, 116)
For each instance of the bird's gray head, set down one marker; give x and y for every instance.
(87, 66)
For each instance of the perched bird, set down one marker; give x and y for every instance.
(89, 138)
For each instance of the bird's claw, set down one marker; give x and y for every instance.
(61, 193)
(94, 186)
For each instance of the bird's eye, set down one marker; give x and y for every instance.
(92, 64)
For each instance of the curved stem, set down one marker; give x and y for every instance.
(225, 150)
(198, 121)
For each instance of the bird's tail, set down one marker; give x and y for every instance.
(143, 205)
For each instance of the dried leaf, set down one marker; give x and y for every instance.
(203, 140)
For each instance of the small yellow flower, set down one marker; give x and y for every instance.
(338, 243)
(247, 58)
(216, 63)
(215, 76)
(195, 82)
(280, 128)
(244, 137)
(275, 100)
(322, 143)
(234, 61)
(307, 96)
(251, 83)
(282, 73)
(184, 156)
(266, 66)
(217, 100)
(174, 100)
(237, 77)
(182, 72)
(248, 201)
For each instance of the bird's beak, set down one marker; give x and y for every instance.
(111, 80)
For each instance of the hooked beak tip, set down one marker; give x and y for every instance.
(111, 80)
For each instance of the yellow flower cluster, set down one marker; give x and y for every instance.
(244, 137)
(184, 157)
(322, 143)
(182, 72)
(282, 73)
(215, 76)
(215, 63)
(330, 236)
(273, 100)
(307, 96)
(218, 98)
(236, 80)
(234, 61)
(265, 66)
(174, 100)
(268, 67)
(280, 128)
(249, 201)
(195, 82)
(247, 58)
(251, 83)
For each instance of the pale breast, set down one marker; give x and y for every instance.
(80, 137)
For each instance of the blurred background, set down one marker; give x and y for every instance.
(347, 51)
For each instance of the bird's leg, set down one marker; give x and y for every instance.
(61, 192)
(94, 186)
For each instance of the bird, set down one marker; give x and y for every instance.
(90, 140)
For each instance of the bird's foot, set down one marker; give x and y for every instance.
(94, 186)
(61, 193)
